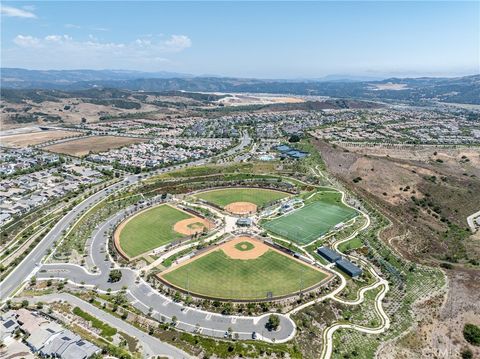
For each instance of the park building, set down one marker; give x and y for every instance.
(348, 267)
(244, 222)
(329, 254)
(334, 257)
(339, 226)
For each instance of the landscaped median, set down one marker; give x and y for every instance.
(106, 331)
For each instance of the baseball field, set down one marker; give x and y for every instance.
(241, 200)
(244, 269)
(316, 218)
(156, 227)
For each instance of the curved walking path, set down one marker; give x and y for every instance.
(147, 299)
(385, 321)
(384, 325)
(143, 296)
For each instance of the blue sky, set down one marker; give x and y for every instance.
(247, 39)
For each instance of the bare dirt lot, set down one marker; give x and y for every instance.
(250, 99)
(34, 138)
(83, 147)
(77, 111)
(390, 86)
(456, 160)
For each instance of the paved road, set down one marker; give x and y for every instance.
(151, 345)
(144, 297)
(32, 261)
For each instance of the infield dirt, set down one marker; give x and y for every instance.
(241, 207)
(258, 248)
(192, 226)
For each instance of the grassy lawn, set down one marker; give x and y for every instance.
(219, 276)
(351, 244)
(319, 215)
(151, 229)
(258, 196)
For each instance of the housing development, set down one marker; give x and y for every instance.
(167, 215)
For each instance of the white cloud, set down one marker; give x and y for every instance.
(26, 41)
(92, 28)
(96, 28)
(64, 51)
(178, 42)
(72, 26)
(58, 38)
(16, 12)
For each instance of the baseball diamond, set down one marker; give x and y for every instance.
(229, 273)
(157, 226)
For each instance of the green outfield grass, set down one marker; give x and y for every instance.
(151, 229)
(258, 196)
(219, 276)
(316, 218)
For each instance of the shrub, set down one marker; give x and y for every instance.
(115, 275)
(471, 333)
(273, 322)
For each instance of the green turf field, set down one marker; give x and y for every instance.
(219, 276)
(316, 218)
(258, 196)
(151, 229)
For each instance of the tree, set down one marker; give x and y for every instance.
(120, 299)
(174, 320)
(466, 354)
(115, 275)
(471, 333)
(294, 138)
(273, 322)
(24, 303)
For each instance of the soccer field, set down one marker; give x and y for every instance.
(150, 229)
(218, 276)
(310, 222)
(258, 196)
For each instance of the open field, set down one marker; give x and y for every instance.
(310, 222)
(220, 274)
(427, 190)
(84, 146)
(251, 99)
(34, 138)
(241, 200)
(153, 228)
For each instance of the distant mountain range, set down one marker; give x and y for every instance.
(412, 90)
(27, 79)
